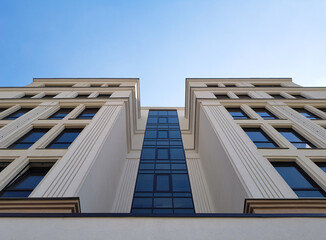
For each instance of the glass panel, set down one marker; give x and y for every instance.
(162, 153)
(145, 183)
(309, 194)
(177, 153)
(148, 153)
(293, 177)
(180, 183)
(88, 113)
(162, 134)
(162, 183)
(142, 203)
(183, 203)
(162, 202)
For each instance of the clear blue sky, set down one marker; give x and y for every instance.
(162, 42)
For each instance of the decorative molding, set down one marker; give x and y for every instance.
(125, 193)
(200, 192)
(285, 206)
(39, 205)
(256, 174)
(68, 177)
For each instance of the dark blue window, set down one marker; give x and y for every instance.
(26, 181)
(29, 139)
(3, 165)
(17, 114)
(237, 113)
(65, 138)
(61, 113)
(306, 113)
(322, 165)
(260, 139)
(296, 139)
(298, 180)
(88, 113)
(162, 185)
(264, 113)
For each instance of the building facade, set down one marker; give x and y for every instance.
(240, 150)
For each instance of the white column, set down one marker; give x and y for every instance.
(93, 165)
(257, 176)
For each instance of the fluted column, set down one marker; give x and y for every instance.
(258, 178)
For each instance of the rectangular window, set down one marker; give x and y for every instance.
(295, 138)
(17, 114)
(81, 95)
(221, 96)
(229, 85)
(65, 138)
(3, 165)
(298, 96)
(260, 139)
(277, 96)
(264, 113)
(103, 95)
(29, 138)
(61, 113)
(28, 96)
(26, 181)
(306, 113)
(237, 113)
(243, 96)
(49, 96)
(322, 165)
(298, 180)
(88, 113)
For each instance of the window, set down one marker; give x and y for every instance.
(65, 138)
(321, 109)
(243, 96)
(17, 114)
(49, 96)
(298, 180)
(88, 113)
(306, 113)
(277, 96)
(162, 184)
(61, 113)
(264, 113)
(3, 109)
(322, 165)
(80, 95)
(260, 139)
(212, 85)
(229, 85)
(237, 113)
(28, 96)
(298, 96)
(221, 96)
(29, 139)
(26, 181)
(296, 139)
(3, 165)
(102, 95)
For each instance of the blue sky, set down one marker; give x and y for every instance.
(162, 42)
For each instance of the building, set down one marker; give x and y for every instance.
(243, 158)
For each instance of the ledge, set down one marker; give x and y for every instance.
(39, 205)
(285, 206)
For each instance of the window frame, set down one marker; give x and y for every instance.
(298, 135)
(259, 129)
